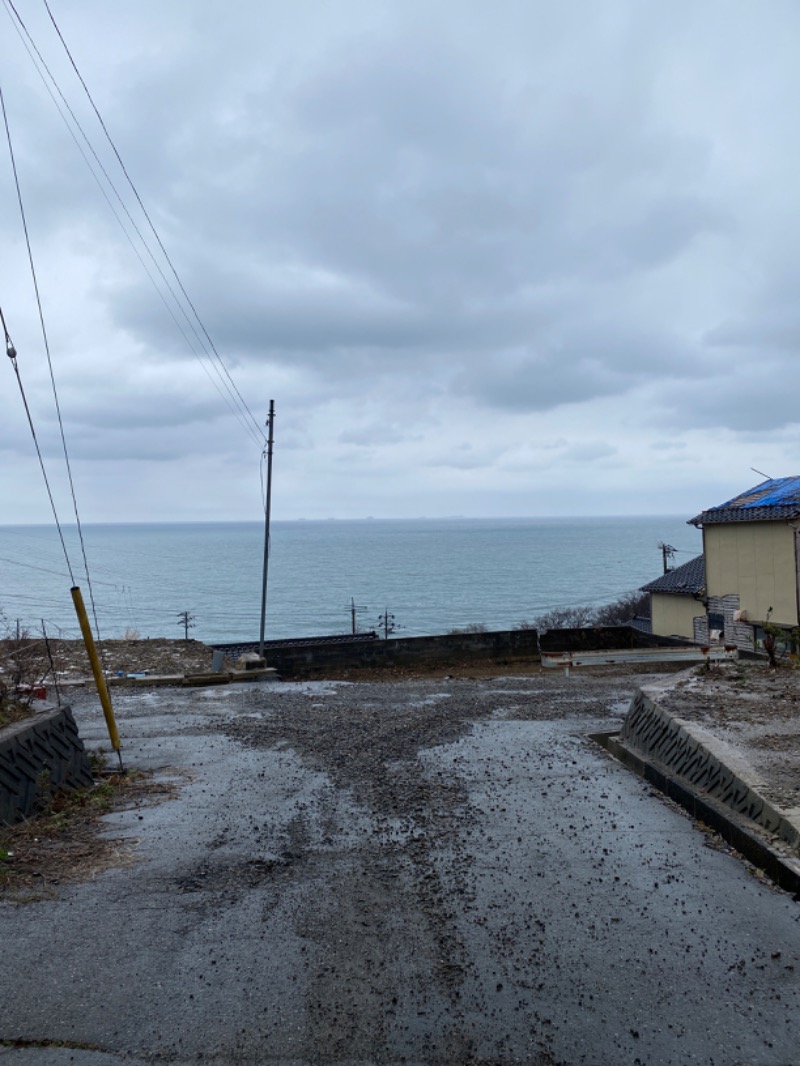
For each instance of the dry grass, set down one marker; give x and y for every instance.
(13, 712)
(63, 844)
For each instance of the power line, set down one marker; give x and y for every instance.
(149, 220)
(11, 352)
(47, 570)
(45, 338)
(238, 407)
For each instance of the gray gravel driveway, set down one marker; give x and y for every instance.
(441, 871)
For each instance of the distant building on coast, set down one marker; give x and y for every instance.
(751, 546)
(676, 600)
(747, 576)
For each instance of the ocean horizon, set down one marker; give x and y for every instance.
(431, 574)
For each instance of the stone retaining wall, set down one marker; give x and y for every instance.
(39, 756)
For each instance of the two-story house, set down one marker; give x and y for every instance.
(751, 548)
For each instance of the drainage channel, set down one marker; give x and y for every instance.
(733, 829)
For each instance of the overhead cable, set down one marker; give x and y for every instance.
(230, 394)
(147, 216)
(12, 355)
(46, 341)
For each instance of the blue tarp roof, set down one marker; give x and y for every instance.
(772, 500)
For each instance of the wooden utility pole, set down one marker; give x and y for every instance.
(667, 553)
(186, 619)
(354, 608)
(386, 622)
(268, 504)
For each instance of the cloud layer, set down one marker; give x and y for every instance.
(530, 259)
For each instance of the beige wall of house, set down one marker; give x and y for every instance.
(756, 560)
(672, 616)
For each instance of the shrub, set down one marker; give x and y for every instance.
(624, 610)
(620, 612)
(24, 664)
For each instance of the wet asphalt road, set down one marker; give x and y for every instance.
(425, 872)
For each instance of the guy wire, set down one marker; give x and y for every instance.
(135, 191)
(11, 352)
(52, 379)
(42, 68)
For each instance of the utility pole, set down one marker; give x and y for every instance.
(267, 508)
(386, 623)
(186, 619)
(353, 608)
(667, 553)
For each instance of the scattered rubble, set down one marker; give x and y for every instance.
(156, 656)
(755, 709)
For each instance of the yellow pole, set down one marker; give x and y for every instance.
(97, 670)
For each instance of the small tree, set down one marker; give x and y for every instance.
(24, 664)
(779, 641)
(623, 610)
(620, 612)
(563, 618)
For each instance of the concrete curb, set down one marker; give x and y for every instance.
(711, 781)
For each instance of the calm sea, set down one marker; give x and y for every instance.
(431, 575)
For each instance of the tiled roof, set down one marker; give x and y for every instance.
(686, 580)
(771, 501)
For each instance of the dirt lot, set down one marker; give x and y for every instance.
(162, 656)
(156, 656)
(750, 706)
(422, 870)
(754, 709)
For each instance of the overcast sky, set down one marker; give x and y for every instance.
(488, 259)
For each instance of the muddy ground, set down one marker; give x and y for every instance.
(750, 706)
(430, 870)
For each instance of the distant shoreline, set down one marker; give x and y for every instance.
(368, 520)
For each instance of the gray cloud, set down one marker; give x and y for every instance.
(537, 224)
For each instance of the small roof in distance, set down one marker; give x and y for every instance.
(771, 501)
(686, 580)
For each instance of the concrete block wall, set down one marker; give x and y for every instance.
(736, 634)
(408, 651)
(38, 757)
(693, 756)
(604, 638)
(314, 655)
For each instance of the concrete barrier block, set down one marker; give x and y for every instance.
(693, 755)
(39, 756)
